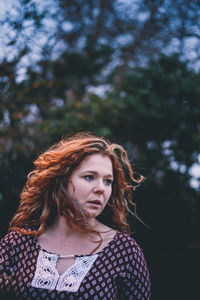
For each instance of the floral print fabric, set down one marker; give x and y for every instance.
(119, 271)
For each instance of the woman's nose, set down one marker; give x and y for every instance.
(99, 187)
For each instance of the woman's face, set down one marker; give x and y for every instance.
(91, 183)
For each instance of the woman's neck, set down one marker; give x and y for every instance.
(61, 239)
(61, 227)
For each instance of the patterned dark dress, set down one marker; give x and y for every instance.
(27, 271)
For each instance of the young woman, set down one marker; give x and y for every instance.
(69, 237)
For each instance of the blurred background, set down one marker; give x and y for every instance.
(130, 71)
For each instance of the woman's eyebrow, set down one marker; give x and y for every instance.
(95, 173)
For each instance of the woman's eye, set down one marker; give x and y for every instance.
(89, 177)
(108, 181)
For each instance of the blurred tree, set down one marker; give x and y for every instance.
(57, 52)
(93, 43)
(135, 31)
(159, 113)
(153, 111)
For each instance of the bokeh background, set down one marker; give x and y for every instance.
(127, 70)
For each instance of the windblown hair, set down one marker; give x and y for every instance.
(42, 199)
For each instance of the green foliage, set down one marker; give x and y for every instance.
(148, 101)
(163, 99)
(152, 110)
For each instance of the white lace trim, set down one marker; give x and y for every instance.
(47, 277)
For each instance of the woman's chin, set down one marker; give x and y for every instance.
(92, 214)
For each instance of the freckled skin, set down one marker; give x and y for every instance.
(91, 183)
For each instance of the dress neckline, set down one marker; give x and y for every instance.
(78, 255)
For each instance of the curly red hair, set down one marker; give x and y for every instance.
(42, 198)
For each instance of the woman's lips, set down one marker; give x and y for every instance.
(95, 202)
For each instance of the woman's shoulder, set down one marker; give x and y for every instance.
(126, 244)
(127, 240)
(14, 237)
(10, 236)
(120, 239)
(131, 252)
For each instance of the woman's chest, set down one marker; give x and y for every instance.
(42, 270)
